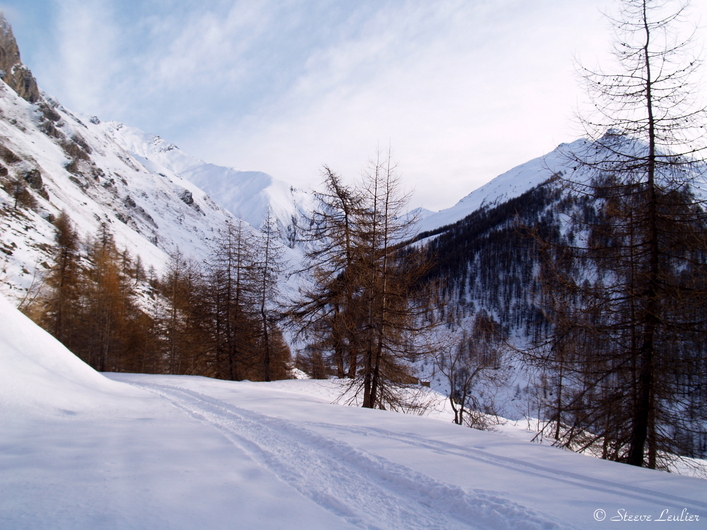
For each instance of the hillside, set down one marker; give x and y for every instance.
(145, 191)
(246, 194)
(53, 161)
(186, 452)
(506, 186)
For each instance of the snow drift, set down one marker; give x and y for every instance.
(39, 375)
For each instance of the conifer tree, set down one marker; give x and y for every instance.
(362, 306)
(62, 305)
(107, 305)
(184, 322)
(230, 292)
(326, 313)
(629, 345)
(267, 268)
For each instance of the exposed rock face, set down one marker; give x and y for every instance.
(12, 71)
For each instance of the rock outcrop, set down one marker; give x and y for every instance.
(12, 71)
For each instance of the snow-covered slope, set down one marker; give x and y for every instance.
(61, 162)
(151, 196)
(562, 161)
(246, 194)
(508, 185)
(80, 451)
(40, 376)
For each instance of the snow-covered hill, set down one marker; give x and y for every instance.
(510, 184)
(80, 451)
(54, 161)
(246, 194)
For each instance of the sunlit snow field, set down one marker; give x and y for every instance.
(80, 450)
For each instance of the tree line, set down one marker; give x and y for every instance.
(217, 318)
(361, 313)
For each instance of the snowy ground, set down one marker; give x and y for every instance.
(79, 450)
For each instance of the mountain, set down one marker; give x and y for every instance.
(480, 249)
(561, 162)
(508, 185)
(246, 194)
(555, 255)
(146, 191)
(53, 161)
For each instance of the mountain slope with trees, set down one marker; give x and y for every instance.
(602, 269)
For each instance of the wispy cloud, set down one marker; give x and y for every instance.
(462, 90)
(453, 86)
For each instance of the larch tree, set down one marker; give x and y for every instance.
(183, 321)
(628, 345)
(386, 281)
(269, 264)
(231, 292)
(363, 306)
(62, 304)
(325, 312)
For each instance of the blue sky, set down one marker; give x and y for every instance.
(462, 90)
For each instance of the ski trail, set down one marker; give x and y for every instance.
(365, 490)
(524, 466)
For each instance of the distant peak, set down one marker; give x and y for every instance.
(161, 145)
(5, 27)
(17, 76)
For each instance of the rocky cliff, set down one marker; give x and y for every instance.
(12, 71)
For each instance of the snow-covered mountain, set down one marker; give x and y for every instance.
(561, 162)
(146, 191)
(508, 185)
(54, 161)
(246, 194)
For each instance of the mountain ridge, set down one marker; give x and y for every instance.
(508, 185)
(248, 195)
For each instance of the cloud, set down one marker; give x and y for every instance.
(450, 85)
(86, 61)
(461, 90)
(213, 43)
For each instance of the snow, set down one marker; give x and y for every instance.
(561, 161)
(81, 450)
(246, 194)
(143, 209)
(51, 379)
(510, 184)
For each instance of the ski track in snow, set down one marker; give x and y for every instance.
(365, 490)
(573, 479)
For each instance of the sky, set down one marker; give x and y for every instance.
(459, 90)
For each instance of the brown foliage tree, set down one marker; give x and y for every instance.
(628, 303)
